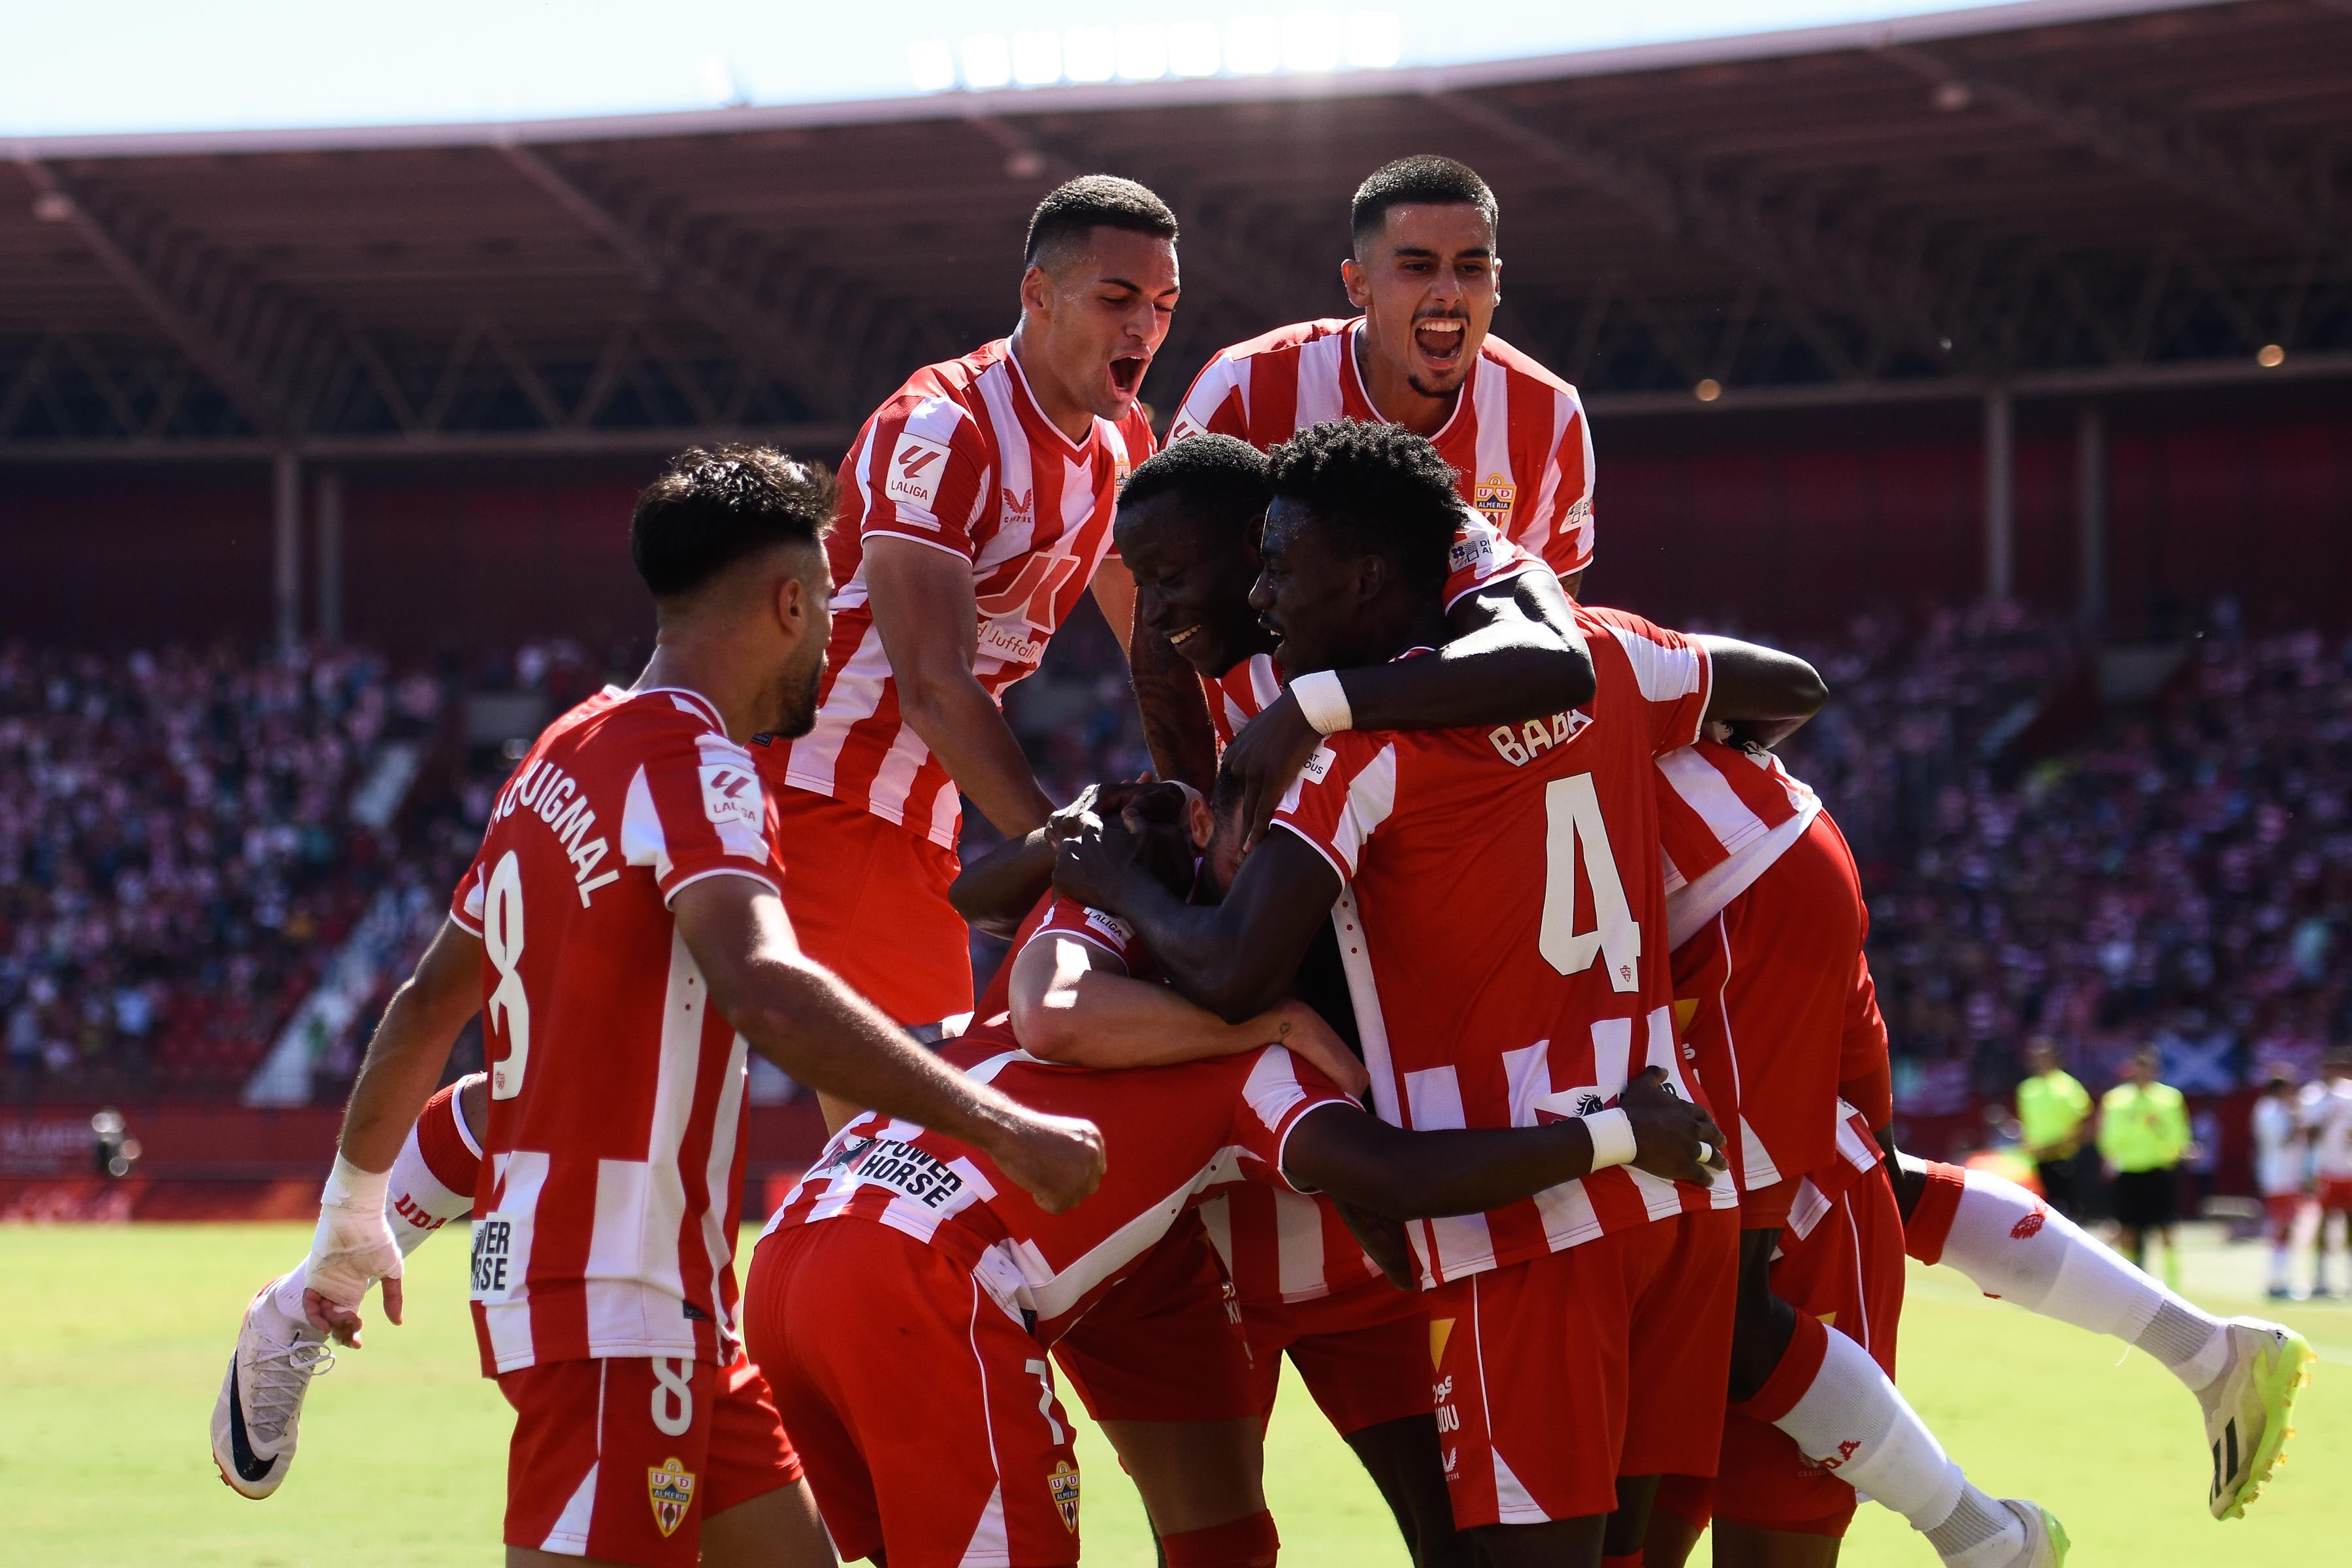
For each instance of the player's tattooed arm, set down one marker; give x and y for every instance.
(1513, 654)
(1763, 695)
(1237, 958)
(1175, 710)
(800, 1015)
(924, 608)
(1366, 1162)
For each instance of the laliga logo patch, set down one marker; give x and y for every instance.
(671, 1487)
(1493, 495)
(916, 465)
(731, 794)
(1063, 1484)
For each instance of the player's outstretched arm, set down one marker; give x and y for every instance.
(353, 1246)
(923, 607)
(1515, 654)
(1763, 694)
(1073, 1001)
(801, 1017)
(1236, 959)
(995, 891)
(1175, 710)
(1364, 1162)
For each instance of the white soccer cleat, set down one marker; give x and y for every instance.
(2246, 1410)
(259, 1410)
(2045, 1538)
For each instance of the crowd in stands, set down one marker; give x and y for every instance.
(178, 849)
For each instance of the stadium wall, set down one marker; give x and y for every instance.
(1782, 519)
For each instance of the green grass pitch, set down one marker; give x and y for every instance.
(112, 1340)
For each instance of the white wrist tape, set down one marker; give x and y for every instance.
(348, 1186)
(1612, 1132)
(1323, 702)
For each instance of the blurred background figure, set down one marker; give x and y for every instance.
(2143, 1139)
(2281, 1170)
(2327, 1121)
(2052, 1110)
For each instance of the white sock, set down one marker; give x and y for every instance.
(2014, 1246)
(2280, 1253)
(1852, 1418)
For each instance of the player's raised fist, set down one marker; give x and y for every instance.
(1671, 1137)
(1057, 1159)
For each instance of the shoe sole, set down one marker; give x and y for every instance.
(2288, 1374)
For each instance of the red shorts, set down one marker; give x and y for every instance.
(2282, 1209)
(1848, 1272)
(1363, 1353)
(1165, 1344)
(1557, 1376)
(1767, 983)
(2335, 1195)
(869, 901)
(623, 1458)
(924, 1410)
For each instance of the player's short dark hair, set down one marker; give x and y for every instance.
(713, 506)
(1383, 488)
(1075, 208)
(1223, 482)
(1425, 179)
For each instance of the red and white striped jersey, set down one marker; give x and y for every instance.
(1518, 438)
(1276, 1245)
(1482, 557)
(1169, 1133)
(1502, 927)
(608, 1201)
(961, 460)
(1725, 814)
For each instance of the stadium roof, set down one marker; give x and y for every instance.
(2065, 196)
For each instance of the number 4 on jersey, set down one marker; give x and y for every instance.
(1573, 832)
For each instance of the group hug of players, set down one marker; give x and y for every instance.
(1618, 1247)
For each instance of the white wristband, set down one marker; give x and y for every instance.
(1612, 1132)
(348, 1186)
(1323, 702)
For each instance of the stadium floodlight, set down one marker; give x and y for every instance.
(1142, 51)
(1089, 54)
(1252, 45)
(1310, 41)
(1374, 41)
(987, 63)
(932, 65)
(1192, 49)
(1037, 57)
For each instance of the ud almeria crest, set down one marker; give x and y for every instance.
(671, 1487)
(1063, 1482)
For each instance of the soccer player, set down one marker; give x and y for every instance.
(2143, 1133)
(2328, 1112)
(2052, 1111)
(1425, 272)
(2282, 1172)
(1499, 910)
(621, 931)
(904, 1296)
(975, 511)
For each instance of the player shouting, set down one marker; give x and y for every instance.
(975, 510)
(1500, 914)
(622, 931)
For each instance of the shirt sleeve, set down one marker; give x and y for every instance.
(1568, 525)
(1214, 406)
(1672, 678)
(1866, 1072)
(1481, 557)
(1100, 928)
(466, 903)
(1275, 1096)
(921, 472)
(1340, 798)
(694, 809)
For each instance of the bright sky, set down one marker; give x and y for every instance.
(167, 65)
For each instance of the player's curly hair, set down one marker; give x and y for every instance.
(1224, 483)
(1383, 488)
(1073, 207)
(713, 506)
(1423, 178)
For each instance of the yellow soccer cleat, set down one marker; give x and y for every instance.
(2246, 1410)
